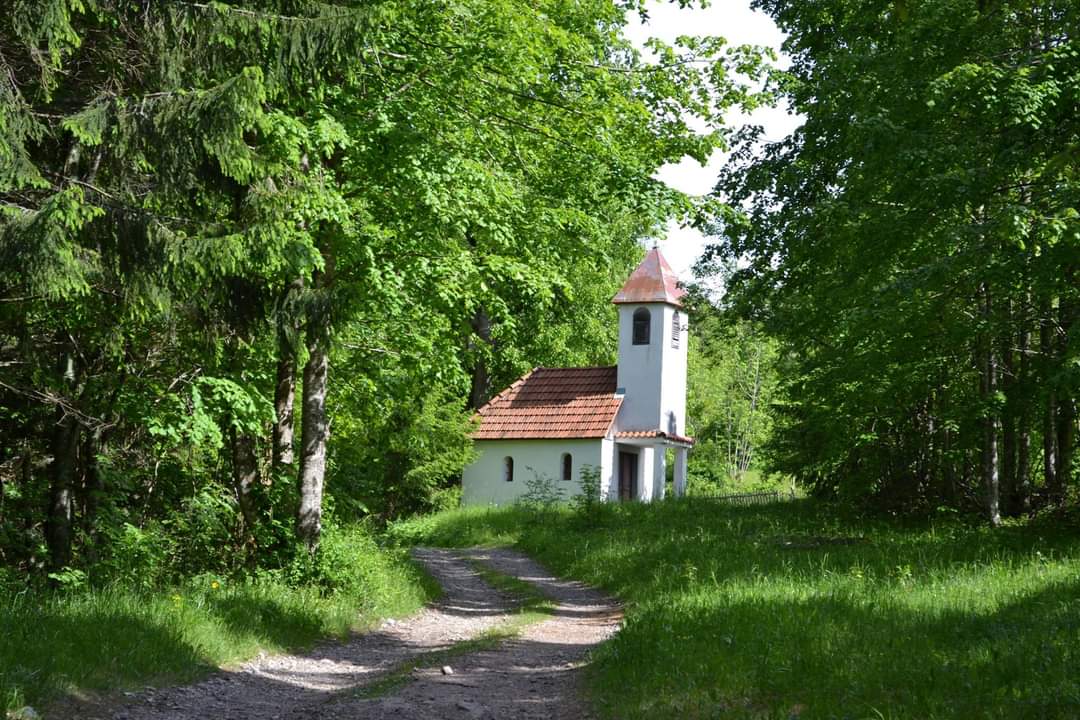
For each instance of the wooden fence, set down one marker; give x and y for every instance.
(758, 498)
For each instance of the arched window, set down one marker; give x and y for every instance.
(676, 330)
(567, 467)
(642, 320)
(508, 469)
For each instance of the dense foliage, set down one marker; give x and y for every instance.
(406, 203)
(915, 246)
(733, 375)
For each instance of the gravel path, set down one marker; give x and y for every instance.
(531, 676)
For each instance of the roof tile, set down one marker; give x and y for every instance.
(552, 403)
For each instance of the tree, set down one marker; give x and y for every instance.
(906, 241)
(199, 199)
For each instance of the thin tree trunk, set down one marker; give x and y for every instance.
(314, 433)
(245, 473)
(315, 425)
(1066, 419)
(481, 381)
(284, 397)
(1022, 498)
(1066, 441)
(285, 388)
(65, 448)
(93, 492)
(990, 467)
(1049, 419)
(65, 458)
(1008, 425)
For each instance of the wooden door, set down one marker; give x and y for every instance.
(627, 476)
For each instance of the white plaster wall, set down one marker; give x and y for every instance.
(482, 482)
(673, 380)
(653, 375)
(608, 468)
(659, 472)
(639, 369)
(645, 470)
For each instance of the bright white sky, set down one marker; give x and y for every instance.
(734, 20)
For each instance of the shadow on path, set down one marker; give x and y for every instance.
(532, 675)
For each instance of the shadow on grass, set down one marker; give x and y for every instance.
(116, 638)
(94, 642)
(796, 609)
(845, 657)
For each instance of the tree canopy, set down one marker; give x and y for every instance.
(381, 209)
(915, 246)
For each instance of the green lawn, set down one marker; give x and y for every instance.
(794, 610)
(115, 637)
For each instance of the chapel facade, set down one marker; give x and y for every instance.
(620, 420)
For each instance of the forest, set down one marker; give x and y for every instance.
(261, 260)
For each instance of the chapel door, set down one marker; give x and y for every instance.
(627, 476)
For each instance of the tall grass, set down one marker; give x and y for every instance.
(793, 610)
(116, 637)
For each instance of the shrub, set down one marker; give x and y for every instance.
(542, 494)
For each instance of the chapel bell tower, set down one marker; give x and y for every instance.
(652, 349)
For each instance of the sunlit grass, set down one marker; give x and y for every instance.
(115, 638)
(796, 610)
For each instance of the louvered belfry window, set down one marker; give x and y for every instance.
(676, 330)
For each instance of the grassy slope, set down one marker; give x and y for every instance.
(791, 611)
(115, 637)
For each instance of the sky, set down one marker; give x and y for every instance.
(734, 20)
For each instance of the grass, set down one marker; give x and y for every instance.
(796, 610)
(533, 607)
(93, 641)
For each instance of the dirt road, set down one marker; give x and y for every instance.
(532, 675)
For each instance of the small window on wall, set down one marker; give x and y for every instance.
(508, 469)
(567, 467)
(676, 329)
(642, 321)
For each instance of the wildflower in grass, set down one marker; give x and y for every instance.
(177, 600)
(215, 585)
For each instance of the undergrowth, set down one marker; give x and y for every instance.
(796, 610)
(98, 639)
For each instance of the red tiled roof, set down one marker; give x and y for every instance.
(552, 403)
(633, 434)
(652, 281)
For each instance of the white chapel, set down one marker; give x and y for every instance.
(621, 420)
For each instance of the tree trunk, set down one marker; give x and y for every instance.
(315, 425)
(988, 384)
(481, 381)
(1066, 419)
(93, 492)
(65, 449)
(1066, 445)
(314, 433)
(284, 396)
(285, 389)
(1021, 501)
(1008, 427)
(245, 472)
(62, 469)
(1049, 419)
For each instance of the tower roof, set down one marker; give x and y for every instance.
(652, 281)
